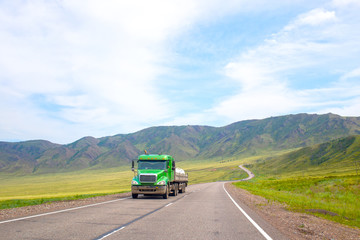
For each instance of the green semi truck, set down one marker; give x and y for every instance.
(157, 175)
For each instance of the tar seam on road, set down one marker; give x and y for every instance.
(135, 220)
(60, 211)
(248, 217)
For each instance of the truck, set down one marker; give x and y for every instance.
(157, 175)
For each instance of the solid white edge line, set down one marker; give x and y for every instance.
(60, 211)
(107, 235)
(169, 204)
(248, 217)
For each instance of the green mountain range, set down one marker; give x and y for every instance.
(244, 138)
(336, 156)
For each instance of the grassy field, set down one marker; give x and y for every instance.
(23, 190)
(212, 171)
(332, 197)
(322, 180)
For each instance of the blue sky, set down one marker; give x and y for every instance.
(71, 68)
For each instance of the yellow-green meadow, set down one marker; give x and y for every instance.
(19, 190)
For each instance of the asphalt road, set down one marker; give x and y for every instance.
(205, 211)
(251, 175)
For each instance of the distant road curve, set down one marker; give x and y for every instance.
(251, 175)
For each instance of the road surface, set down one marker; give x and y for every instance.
(205, 211)
(251, 175)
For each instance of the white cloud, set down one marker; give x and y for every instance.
(96, 63)
(351, 108)
(249, 74)
(345, 3)
(258, 103)
(314, 17)
(317, 39)
(74, 68)
(351, 75)
(93, 65)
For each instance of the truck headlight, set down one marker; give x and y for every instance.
(133, 182)
(161, 183)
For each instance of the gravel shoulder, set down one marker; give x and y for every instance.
(12, 213)
(294, 225)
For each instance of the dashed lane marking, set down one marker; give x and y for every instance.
(137, 219)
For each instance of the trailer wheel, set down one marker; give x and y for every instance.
(182, 190)
(166, 195)
(134, 195)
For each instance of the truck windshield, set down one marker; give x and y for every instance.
(151, 164)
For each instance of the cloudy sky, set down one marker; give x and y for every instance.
(71, 68)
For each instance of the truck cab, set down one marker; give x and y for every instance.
(157, 175)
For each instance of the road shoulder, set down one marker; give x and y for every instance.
(292, 224)
(12, 213)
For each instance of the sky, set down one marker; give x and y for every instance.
(72, 68)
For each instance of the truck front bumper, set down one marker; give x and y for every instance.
(148, 189)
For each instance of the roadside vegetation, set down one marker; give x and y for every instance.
(331, 197)
(322, 180)
(24, 190)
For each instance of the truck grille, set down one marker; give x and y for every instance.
(148, 178)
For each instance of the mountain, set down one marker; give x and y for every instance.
(244, 138)
(336, 156)
(22, 155)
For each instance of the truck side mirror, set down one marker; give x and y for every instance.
(132, 165)
(173, 165)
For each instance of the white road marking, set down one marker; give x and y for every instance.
(111, 233)
(248, 217)
(137, 219)
(60, 211)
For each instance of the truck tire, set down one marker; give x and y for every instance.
(134, 195)
(176, 189)
(166, 195)
(182, 190)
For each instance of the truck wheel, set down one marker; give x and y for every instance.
(166, 195)
(182, 190)
(134, 195)
(176, 189)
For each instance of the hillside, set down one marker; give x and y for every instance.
(244, 138)
(336, 157)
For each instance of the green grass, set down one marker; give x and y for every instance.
(212, 171)
(322, 179)
(333, 197)
(337, 157)
(13, 203)
(24, 190)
